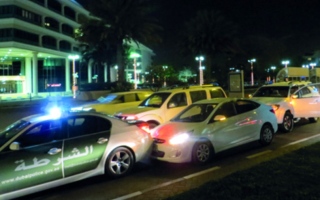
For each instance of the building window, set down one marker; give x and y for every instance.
(55, 6)
(49, 42)
(51, 23)
(65, 46)
(66, 29)
(71, 14)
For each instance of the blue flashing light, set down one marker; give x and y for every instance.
(55, 112)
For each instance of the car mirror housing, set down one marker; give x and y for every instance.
(219, 118)
(15, 146)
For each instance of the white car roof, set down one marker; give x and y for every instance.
(288, 83)
(219, 100)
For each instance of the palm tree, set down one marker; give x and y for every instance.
(118, 22)
(209, 33)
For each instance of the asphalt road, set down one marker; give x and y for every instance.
(157, 180)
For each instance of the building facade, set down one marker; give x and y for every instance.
(37, 47)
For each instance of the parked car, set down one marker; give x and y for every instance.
(41, 151)
(291, 101)
(161, 106)
(211, 126)
(114, 102)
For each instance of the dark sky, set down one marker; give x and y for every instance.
(269, 18)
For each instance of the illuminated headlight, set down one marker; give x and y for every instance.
(275, 107)
(179, 139)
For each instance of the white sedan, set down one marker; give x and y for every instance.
(42, 151)
(210, 126)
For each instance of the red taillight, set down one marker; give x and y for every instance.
(144, 126)
(272, 111)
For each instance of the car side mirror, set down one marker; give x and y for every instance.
(294, 96)
(15, 146)
(172, 105)
(250, 95)
(219, 118)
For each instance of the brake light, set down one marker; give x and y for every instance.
(144, 126)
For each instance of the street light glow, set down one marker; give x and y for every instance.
(74, 74)
(135, 56)
(252, 61)
(285, 63)
(200, 59)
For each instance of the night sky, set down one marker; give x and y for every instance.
(269, 18)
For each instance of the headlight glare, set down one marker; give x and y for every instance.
(179, 139)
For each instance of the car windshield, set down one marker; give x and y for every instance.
(108, 98)
(277, 91)
(12, 130)
(195, 113)
(155, 100)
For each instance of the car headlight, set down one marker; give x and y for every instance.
(179, 139)
(275, 107)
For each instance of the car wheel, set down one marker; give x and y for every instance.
(202, 152)
(287, 124)
(119, 162)
(313, 119)
(266, 135)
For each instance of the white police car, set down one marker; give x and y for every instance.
(44, 151)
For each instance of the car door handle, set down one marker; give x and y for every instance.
(54, 151)
(102, 140)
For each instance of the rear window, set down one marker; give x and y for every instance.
(198, 95)
(216, 93)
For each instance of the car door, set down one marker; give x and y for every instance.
(33, 158)
(227, 133)
(88, 137)
(175, 105)
(306, 102)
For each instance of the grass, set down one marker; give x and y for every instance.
(293, 176)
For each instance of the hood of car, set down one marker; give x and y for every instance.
(269, 100)
(169, 129)
(135, 110)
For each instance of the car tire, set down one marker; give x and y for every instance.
(266, 135)
(119, 163)
(202, 152)
(313, 119)
(287, 124)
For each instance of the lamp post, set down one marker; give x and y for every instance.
(312, 65)
(273, 68)
(74, 74)
(135, 56)
(200, 59)
(285, 63)
(164, 81)
(252, 61)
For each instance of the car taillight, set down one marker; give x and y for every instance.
(144, 126)
(157, 140)
(272, 111)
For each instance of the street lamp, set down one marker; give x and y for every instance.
(285, 63)
(252, 61)
(74, 74)
(200, 59)
(312, 65)
(164, 81)
(273, 68)
(135, 56)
